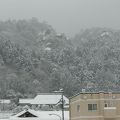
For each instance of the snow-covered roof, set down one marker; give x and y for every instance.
(48, 48)
(44, 115)
(5, 101)
(24, 111)
(25, 101)
(48, 98)
(105, 33)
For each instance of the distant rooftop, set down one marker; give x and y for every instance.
(23, 101)
(4, 101)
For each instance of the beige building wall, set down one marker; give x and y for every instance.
(95, 106)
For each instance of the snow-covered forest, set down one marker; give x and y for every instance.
(35, 58)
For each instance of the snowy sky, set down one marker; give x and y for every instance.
(68, 16)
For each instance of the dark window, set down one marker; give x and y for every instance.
(89, 106)
(106, 105)
(92, 106)
(78, 108)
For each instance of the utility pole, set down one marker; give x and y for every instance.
(62, 104)
(62, 100)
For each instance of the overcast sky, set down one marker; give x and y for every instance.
(68, 16)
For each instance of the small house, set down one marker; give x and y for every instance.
(29, 114)
(49, 101)
(25, 114)
(46, 101)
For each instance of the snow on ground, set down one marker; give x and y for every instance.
(5, 115)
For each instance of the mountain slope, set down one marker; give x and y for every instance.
(34, 58)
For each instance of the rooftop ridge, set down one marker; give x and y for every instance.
(53, 93)
(105, 92)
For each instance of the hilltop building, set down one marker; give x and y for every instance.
(95, 106)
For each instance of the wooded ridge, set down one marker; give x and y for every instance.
(34, 58)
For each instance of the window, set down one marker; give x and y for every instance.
(106, 105)
(78, 108)
(92, 106)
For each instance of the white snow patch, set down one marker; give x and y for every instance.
(47, 48)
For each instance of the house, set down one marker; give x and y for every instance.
(49, 101)
(46, 101)
(95, 106)
(25, 114)
(29, 114)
